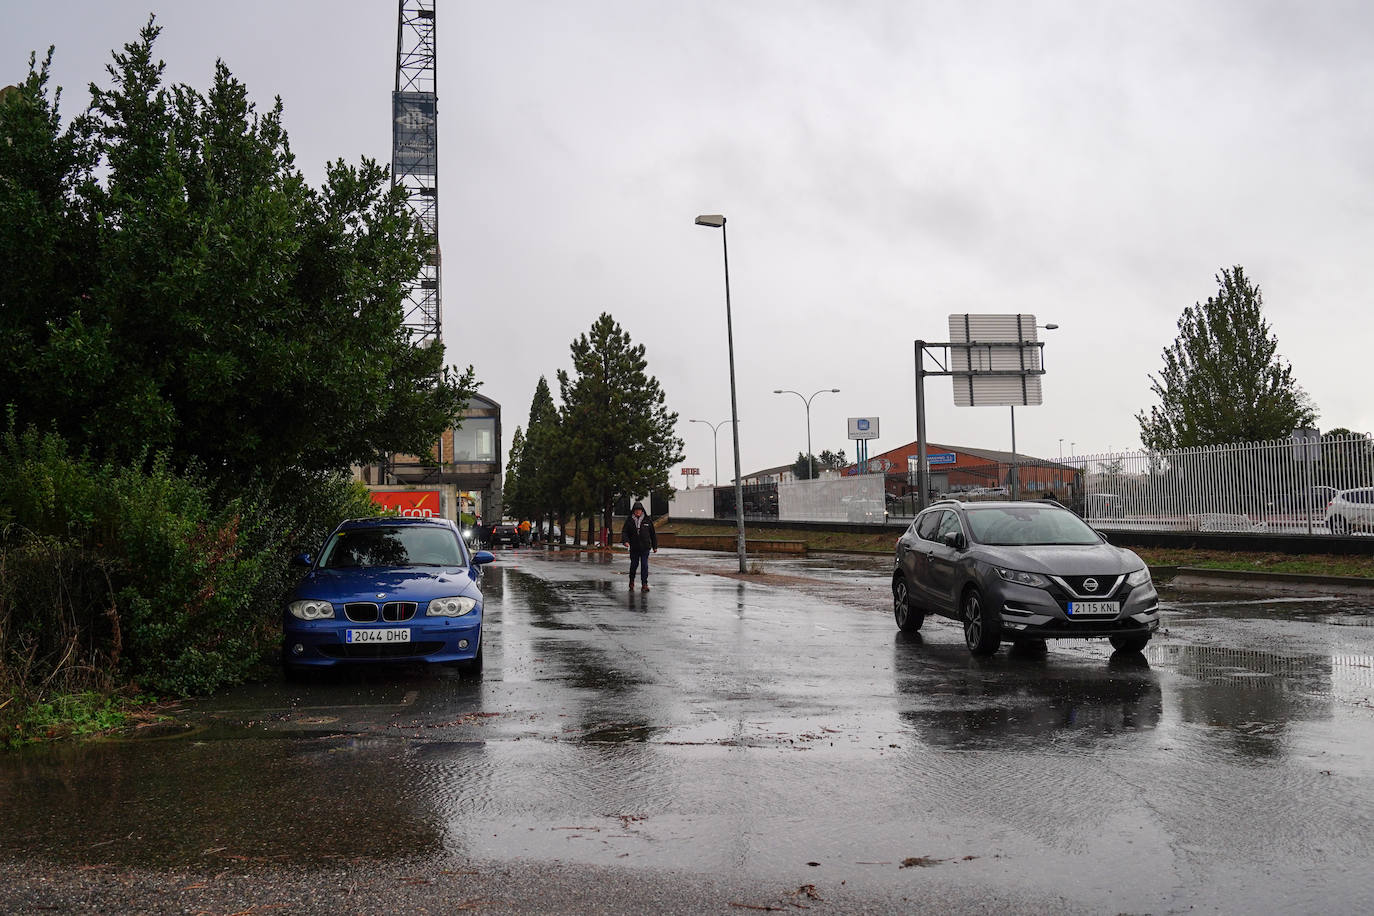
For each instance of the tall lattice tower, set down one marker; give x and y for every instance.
(415, 155)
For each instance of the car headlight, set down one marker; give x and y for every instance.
(311, 609)
(1023, 578)
(1139, 577)
(450, 607)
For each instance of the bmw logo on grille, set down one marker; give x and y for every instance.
(383, 594)
(1089, 585)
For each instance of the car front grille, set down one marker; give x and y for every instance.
(367, 612)
(1106, 584)
(381, 649)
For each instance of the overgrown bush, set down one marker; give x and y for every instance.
(138, 574)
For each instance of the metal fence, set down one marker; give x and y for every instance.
(1279, 486)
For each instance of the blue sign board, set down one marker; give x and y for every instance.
(939, 458)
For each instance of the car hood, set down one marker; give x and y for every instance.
(1061, 560)
(412, 583)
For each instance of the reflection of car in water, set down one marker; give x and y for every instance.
(1028, 697)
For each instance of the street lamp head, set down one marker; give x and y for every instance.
(778, 391)
(714, 220)
(1050, 327)
(834, 391)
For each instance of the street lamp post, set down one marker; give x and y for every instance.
(807, 401)
(717, 221)
(715, 450)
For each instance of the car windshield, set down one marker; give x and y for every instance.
(1011, 526)
(399, 546)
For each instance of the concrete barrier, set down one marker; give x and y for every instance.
(729, 542)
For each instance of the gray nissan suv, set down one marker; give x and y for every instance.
(1021, 572)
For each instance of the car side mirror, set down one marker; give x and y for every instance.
(955, 539)
(483, 557)
(302, 559)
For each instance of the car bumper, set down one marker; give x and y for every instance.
(438, 640)
(1035, 613)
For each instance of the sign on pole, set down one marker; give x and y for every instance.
(863, 428)
(1307, 444)
(995, 360)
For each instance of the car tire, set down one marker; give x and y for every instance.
(982, 624)
(474, 667)
(909, 619)
(1134, 644)
(1338, 525)
(297, 674)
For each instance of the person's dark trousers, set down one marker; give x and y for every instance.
(639, 561)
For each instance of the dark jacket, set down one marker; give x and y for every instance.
(641, 540)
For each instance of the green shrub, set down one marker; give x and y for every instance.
(142, 574)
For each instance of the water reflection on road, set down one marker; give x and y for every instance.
(729, 725)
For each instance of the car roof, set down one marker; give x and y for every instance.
(392, 521)
(997, 503)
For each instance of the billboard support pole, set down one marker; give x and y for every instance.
(922, 467)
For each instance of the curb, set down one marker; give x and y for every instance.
(1267, 581)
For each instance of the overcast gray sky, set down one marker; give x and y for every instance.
(882, 165)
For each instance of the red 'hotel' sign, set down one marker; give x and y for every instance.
(416, 503)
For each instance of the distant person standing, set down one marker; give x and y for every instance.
(639, 536)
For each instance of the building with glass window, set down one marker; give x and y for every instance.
(467, 457)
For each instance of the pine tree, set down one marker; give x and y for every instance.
(1223, 380)
(618, 433)
(512, 501)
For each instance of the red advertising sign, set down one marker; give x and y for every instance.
(691, 472)
(415, 503)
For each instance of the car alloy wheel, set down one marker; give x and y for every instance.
(982, 627)
(909, 619)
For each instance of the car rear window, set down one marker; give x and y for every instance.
(1011, 526)
(399, 546)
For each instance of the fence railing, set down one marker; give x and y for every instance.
(1277, 486)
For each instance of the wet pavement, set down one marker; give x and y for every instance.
(774, 731)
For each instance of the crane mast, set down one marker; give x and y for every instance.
(415, 157)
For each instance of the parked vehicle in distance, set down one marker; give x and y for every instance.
(387, 589)
(1103, 505)
(859, 511)
(505, 533)
(1351, 510)
(1020, 571)
(1313, 499)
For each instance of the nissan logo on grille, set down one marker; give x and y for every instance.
(1089, 585)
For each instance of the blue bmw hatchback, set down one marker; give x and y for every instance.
(387, 589)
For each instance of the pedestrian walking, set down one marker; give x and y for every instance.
(639, 536)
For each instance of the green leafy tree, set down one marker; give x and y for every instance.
(618, 433)
(170, 284)
(1223, 380)
(826, 461)
(511, 499)
(543, 473)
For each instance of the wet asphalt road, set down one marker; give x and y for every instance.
(720, 744)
